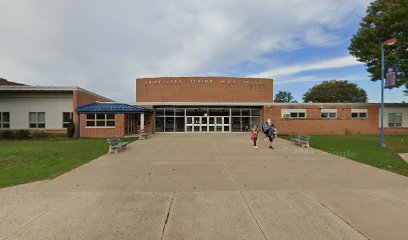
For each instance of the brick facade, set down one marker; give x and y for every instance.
(204, 89)
(98, 132)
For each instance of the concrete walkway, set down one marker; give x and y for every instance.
(182, 186)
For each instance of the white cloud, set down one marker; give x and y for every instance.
(294, 69)
(104, 45)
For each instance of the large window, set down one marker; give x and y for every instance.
(394, 119)
(37, 119)
(328, 113)
(4, 120)
(66, 119)
(100, 120)
(359, 113)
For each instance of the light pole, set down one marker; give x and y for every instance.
(386, 43)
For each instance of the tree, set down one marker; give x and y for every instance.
(385, 19)
(284, 97)
(335, 91)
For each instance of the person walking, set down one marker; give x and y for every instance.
(254, 135)
(272, 134)
(265, 129)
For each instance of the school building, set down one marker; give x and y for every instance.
(190, 105)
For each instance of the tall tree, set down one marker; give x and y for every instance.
(385, 19)
(335, 91)
(284, 97)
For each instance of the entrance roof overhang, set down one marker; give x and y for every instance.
(115, 108)
(201, 103)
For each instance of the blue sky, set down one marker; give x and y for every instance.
(103, 46)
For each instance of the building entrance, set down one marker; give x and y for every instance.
(208, 124)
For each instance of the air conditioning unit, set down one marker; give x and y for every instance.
(286, 115)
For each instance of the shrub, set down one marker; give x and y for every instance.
(7, 134)
(71, 129)
(22, 134)
(39, 134)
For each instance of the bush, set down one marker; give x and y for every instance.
(71, 130)
(22, 134)
(7, 134)
(39, 134)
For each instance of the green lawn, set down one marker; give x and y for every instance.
(32, 160)
(365, 149)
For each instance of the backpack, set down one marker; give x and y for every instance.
(265, 127)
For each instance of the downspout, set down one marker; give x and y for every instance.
(79, 125)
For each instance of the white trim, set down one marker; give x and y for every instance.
(328, 111)
(359, 110)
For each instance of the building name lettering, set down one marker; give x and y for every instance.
(204, 81)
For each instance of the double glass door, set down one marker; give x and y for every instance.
(208, 124)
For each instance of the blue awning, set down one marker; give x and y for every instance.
(115, 108)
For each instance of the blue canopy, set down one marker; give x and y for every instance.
(115, 108)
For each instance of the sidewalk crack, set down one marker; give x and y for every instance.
(168, 215)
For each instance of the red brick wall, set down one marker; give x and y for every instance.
(80, 98)
(117, 131)
(204, 89)
(314, 125)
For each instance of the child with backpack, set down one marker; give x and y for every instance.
(265, 129)
(272, 134)
(254, 135)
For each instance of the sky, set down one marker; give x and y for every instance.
(103, 46)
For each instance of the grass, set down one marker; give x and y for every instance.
(32, 160)
(365, 149)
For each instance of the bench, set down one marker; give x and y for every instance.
(301, 140)
(115, 144)
(142, 134)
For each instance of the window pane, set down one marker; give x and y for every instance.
(41, 125)
(6, 117)
(33, 117)
(179, 124)
(90, 123)
(293, 115)
(354, 115)
(236, 112)
(236, 124)
(100, 123)
(398, 124)
(100, 116)
(391, 117)
(332, 115)
(169, 124)
(256, 121)
(33, 125)
(66, 116)
(110, 123)
(180, 112)
(390, 124)
(245, 112)
(363, 115)
(398, 118)
(65, 125)
(159, 111)
(159, 124)
(256, 112)
(41, 117)
(6, 125)
(226, 120)
(324, 115)
(302, 114)
(90, 116)
(169, 112)
(110, 116)
(246, 125)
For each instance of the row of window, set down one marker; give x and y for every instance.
(35, 119)
(100, 120)
(325, 113)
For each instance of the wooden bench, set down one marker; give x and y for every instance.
(301, 140)
(115, 144)
(142, 134)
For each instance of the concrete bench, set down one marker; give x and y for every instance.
(115, 144)
(142, 134)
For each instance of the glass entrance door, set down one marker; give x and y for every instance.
(208, 124)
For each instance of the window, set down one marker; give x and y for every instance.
(394, 119)
(328, 113)
(4, 120)
(293, 113)
(359, 113)
(100, 120)
(37, 119)
(66, 119)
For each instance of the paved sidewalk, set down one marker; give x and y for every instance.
(210, 186)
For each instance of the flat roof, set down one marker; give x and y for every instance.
(9, 88)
